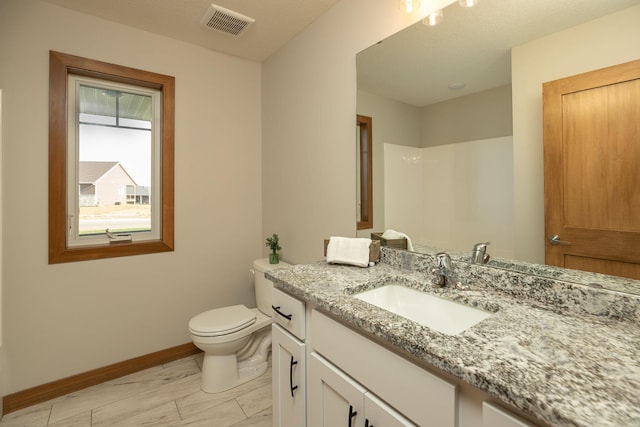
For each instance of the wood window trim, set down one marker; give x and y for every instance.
(60, 66)
(365, 145)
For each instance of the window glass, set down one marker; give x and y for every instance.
(111, 189)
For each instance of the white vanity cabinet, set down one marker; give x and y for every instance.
(495, 416)
(380, 414)
(336, 400)
(412, 391)
(326, 374)
(288, 361)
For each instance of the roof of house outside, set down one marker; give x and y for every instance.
(90, 172)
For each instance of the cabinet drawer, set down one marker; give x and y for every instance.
(495, 416)
(421, 396)
(288, 312)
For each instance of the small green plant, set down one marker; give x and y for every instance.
(273, 243)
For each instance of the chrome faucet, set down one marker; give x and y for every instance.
(442, 270)
(479, 254)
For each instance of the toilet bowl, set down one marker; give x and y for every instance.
(236, 340)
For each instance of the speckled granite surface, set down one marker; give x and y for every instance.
(620, 284)
(567, 354)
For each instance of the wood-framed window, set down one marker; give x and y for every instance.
(364, 167)
(111, 160)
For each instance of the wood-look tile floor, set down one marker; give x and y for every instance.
(167, 395)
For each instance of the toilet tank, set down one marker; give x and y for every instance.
(264, 287)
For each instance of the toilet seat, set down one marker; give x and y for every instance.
(222, 321)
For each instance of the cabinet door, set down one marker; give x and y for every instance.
(423, 397)
(379, 414)
(335, 400)
(494, 416)
(288, 372)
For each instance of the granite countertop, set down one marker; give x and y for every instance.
(563, 367)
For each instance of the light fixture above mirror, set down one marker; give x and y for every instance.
(410, 6)
(433, 18)
(468, 3)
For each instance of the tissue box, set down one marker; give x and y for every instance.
(391, 243)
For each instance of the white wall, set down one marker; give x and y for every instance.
(309, 109)
(488, 115)
(452, 196)
(404, 185)
(65, 319)
(610, 40)
(477, 116)
(393, 122)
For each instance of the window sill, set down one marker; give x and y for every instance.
(109, 250)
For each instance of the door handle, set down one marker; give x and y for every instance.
(555, 240)
(352, 414)
(291, 386)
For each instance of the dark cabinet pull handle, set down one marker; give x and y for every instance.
(291, 386)
(352, 414)
(277, 309)
(366, 423)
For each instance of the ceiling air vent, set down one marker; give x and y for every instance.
(226, 21)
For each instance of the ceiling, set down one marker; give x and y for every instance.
(415, 66)
(470, 46)
(276, 21)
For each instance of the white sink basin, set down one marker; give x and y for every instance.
(436, 313)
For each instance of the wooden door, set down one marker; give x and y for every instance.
(592, 170)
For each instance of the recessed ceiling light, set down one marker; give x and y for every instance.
(457, 86)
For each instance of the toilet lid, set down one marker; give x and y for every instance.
(222, 321)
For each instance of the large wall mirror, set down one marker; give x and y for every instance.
(457, 157)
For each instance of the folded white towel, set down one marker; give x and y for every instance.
(392, 234)
(347, 250)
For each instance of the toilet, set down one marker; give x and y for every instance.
(236, 340)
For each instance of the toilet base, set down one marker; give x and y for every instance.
(224, 372)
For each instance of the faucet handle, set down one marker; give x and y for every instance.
(442, 269)
(481, 246)
(479, 254)
(443, 261)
